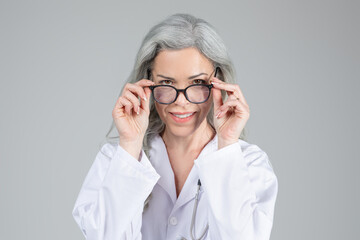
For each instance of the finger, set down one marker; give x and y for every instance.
(145, 103)
(128, 106)
(120, 107)
(144, 82)
(232, 97)
(234, 103)
(217, 98)
(229, 88)
(233, 106)
(136, 89)
(215, 79)
(134, 101)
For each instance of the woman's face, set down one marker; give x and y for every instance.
(178, 68)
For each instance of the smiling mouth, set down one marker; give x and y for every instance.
(183, 115)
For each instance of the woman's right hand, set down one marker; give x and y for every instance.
(131, 116)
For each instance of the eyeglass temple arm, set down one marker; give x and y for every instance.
(216, 70)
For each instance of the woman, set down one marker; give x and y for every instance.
(198, 180)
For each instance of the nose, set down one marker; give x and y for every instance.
(181, 99)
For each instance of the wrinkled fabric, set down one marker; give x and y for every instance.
(237, 196)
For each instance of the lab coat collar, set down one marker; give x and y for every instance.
(160, 161)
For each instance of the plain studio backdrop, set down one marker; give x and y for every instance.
(63, 63)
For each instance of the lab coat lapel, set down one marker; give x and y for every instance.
(189, 189)
(159, 159)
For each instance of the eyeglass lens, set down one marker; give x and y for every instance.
(195, 94)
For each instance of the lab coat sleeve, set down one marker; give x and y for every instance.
(111, 200)
(241, 188)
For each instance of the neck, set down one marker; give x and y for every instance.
(193, 142)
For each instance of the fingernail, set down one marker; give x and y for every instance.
(138, 111)
(145, 99)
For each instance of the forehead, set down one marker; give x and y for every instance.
(180, 63)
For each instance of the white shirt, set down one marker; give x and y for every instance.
(237, 196)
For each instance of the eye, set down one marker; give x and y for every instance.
(199, 81)
(165, 82)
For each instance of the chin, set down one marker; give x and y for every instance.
(180, 131)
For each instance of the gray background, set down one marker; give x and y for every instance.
(63, 64)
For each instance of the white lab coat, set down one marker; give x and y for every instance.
(237, 196)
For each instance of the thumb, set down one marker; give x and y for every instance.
(146, 104)
(217, 99)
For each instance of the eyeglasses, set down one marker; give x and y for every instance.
(196, 93)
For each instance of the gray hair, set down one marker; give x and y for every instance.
(177, 32)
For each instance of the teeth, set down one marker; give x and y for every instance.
(183, 115)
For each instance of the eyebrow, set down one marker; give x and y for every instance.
(191, 77)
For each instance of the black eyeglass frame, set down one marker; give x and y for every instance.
(184, 91)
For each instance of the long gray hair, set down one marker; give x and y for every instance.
(176, 32)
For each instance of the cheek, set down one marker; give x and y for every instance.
(208, 104)
(160, 108)
(205, 108)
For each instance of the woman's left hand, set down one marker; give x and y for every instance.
(231, 116)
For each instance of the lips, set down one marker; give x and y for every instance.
(182, 116)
